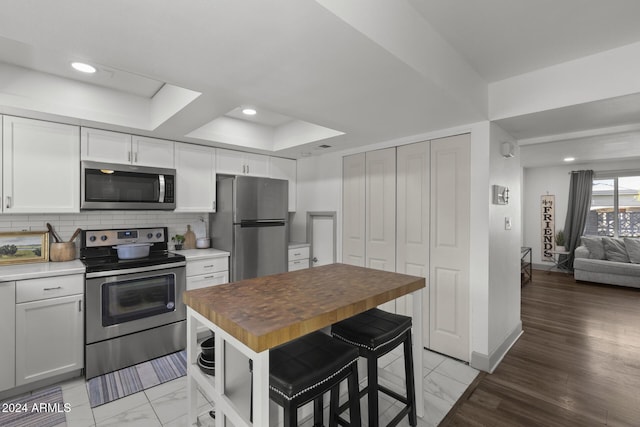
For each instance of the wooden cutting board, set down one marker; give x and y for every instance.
(189, 239)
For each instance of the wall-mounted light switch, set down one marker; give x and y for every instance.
(507, 223)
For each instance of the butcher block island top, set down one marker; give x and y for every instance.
(271, 310)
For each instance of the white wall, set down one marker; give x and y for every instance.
(319, 188)
(553, 180)
(504, 245)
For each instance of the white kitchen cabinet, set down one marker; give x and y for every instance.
(49, 331)
(8, 334)
(205, 269)
(104, 146)
(232, 162)
(41, 166)
(298, 257)
(285, 169)
(196, 178)
(115, 147)
(157, 153)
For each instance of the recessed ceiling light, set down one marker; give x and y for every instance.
(84, 68)
(569, 159)
(249, 111)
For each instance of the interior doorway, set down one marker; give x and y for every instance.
(321, 235)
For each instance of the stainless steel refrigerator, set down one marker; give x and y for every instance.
(251, 223)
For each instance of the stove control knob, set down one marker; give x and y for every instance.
(158, 235)
(103, 237)
(149, 235)
(92, 238)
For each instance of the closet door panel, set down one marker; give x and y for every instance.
(412, 242)
(353, 205)
(449, 247)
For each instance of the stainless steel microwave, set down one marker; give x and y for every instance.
(127, 187)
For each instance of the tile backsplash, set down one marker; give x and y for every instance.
(66, 224)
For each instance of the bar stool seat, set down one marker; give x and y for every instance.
(375, 333)
(304, 369)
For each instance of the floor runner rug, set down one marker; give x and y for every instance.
(115, 385)
(43, 408)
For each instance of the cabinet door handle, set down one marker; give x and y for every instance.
(129, 156)
(8, 202)
(247, 168)
(214, 205)
(244, 168)
(80, 306)
(53, 289)
(135, 157)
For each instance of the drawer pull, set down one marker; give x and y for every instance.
(297, 254)
(53, 289)
(209, 277)
(207, 266)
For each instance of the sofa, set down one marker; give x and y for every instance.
(614, 261)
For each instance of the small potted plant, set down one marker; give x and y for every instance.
(178, 240)
(560, 241)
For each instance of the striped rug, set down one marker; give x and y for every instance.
(115, 385)
(43, 408)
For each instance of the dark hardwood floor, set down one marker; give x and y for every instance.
(577, 363)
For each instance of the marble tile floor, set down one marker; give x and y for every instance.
(444, 381)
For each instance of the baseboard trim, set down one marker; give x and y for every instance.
(488, 363)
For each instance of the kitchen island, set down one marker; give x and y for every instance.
(258, 314)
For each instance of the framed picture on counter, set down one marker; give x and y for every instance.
(17, 247)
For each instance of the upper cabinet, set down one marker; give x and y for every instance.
(41, 170)
(196, 178)
(115, 147)
(285, 169)
(152, 152)
(239, 163)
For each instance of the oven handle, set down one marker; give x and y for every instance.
(135, 270)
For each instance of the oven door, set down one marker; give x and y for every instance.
(122, 304)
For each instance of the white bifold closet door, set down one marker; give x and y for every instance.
(412, 233)
(449, 249)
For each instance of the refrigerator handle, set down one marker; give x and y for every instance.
(262, 223)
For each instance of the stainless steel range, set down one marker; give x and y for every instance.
(134, 310)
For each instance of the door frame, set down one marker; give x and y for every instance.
(310, 216)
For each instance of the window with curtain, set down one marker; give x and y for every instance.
(615, 206)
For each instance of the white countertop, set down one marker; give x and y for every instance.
(36, 270)
(295, 245)
(193, 254)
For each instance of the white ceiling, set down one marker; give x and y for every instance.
(354, 73)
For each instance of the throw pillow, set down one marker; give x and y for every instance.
(614, 249)
(595, 246)
(633, 249)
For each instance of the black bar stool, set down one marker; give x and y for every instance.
(304, 369)
(375, 333)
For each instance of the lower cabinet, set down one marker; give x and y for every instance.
(298, 257)
(49, 338)
(8, 334)
(49, 327)
(205, 271)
